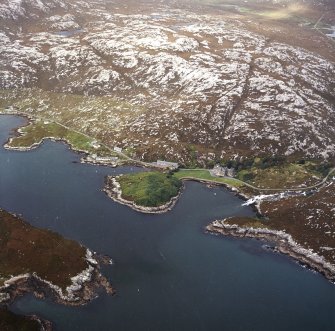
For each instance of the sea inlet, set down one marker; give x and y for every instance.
(168, 273)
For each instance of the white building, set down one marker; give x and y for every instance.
(220, 171)
(108, 159)
(231, 172)
(166, 164)
(118, 149)
(95, 144)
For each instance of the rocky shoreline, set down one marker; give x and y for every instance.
(18, 132)
(7, 317)
(81, 291)
(45, 325)
(284, 243)
(38, 144)
(113, 190)
(210, 183)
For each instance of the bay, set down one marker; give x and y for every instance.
(168, 274)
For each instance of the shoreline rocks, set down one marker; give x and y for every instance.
(284, 243)
(9, 316)
(30, 120)
(81, 291)
(45, 325)
(113, 190)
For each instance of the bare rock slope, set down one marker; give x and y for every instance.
(170, 79)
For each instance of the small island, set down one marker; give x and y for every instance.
(147, 192)
(46, 264)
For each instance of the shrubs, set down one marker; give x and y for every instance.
(247, 177)
(11, 322)
(25, 249)
(258, 162)
(322, 168)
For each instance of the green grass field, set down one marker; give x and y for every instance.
(38, 130)
(204, 174)
(149, 189)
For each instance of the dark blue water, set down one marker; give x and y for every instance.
(169, 274)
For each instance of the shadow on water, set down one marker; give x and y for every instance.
(169, 274)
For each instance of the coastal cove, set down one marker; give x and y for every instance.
(168, 273)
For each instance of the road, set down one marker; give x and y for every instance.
(307, 188)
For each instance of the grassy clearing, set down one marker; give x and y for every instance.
(204, 174)
(38, 130)
(101, 117)
(25, 249)
(247, 222)
(149, 189)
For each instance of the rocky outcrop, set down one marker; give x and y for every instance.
(83, 286)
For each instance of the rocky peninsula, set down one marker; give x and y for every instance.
(44, 263)
(10, 321)
(37, 130)
(284, 243)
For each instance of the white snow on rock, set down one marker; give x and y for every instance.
(196, 77)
